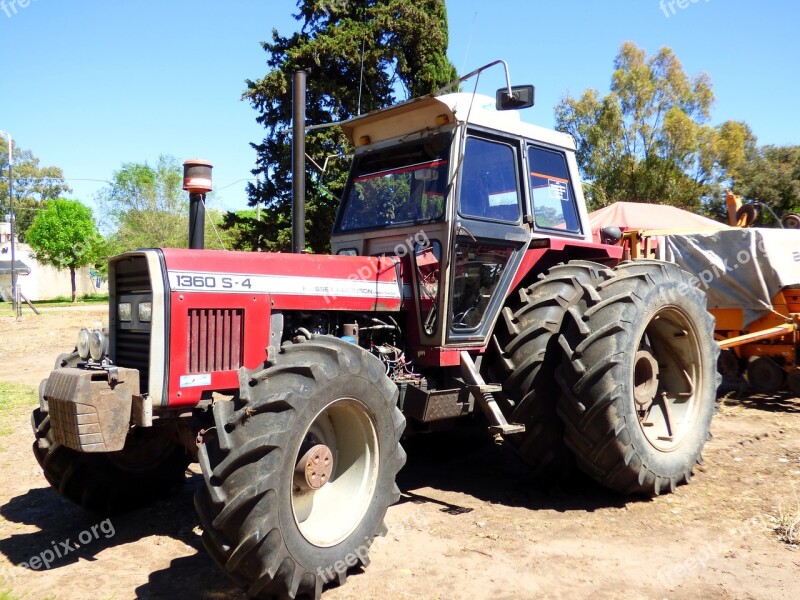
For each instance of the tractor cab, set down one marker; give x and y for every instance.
(460, 190)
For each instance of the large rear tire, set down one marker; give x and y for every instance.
(525, 355)
(639, 383)
(148, 468)
(323, 407)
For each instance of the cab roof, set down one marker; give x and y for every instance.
(434, 112)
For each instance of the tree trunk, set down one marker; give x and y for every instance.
(72, 278)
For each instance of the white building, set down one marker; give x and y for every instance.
(38, 281)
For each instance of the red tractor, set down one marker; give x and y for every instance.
(463, 284)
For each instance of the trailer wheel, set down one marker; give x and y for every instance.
(147, 469)
(639, 385)
(299, 471)
(794, 381)
(525, 357)
(765, 376)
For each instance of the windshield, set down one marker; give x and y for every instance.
(397, 186)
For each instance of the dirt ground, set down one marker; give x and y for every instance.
(470, 524)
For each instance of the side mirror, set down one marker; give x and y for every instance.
(610, 235)
(522, 96)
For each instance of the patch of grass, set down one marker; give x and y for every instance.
(14, 396)
(6, 594)
(788, 524)
(59, 301)
(67, 300)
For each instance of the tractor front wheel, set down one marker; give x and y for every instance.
(300, 470)
(147, 469)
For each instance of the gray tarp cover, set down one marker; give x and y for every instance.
(739, 268)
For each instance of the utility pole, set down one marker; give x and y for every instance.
(14, 290)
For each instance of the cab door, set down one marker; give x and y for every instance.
(490, 236)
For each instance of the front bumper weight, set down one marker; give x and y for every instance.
(90, 412)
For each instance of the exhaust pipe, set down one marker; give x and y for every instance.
(299, 163)
(197, 181)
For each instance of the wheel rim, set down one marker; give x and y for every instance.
(328, 513)
(667, 379)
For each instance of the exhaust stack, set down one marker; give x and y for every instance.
(299, 163)
(197, 181)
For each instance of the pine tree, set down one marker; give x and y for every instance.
(360, 55)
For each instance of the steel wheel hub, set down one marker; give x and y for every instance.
(314, 469)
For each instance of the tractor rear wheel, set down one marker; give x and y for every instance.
(525, 356)
(639, 385)
(148, 468)
(300, 470)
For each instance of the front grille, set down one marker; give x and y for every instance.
(132, 346)
(215, 339)
(133, 352)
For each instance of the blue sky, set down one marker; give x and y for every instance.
(89, 84)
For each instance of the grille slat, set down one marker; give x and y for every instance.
(215, 339)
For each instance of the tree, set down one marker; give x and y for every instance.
(147, 207)
(403, 44)
(33, 186)
(649, 140)
(772, 177)
(64, 236)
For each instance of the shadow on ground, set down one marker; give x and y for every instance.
(60, 522)
(463, 461)
(469, 462)
(742, 394)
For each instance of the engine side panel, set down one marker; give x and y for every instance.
(221, 302)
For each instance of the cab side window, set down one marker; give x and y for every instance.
(551, 191)
(489, 187)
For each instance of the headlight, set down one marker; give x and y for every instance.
(83, 344)
(145, 312)
(348, 252)
(97, 345)
(124, 311)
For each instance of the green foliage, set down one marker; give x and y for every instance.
(64, 235)
(146, 207)
(649, 140)
(33, 186)
(772, 176)
(404, 44)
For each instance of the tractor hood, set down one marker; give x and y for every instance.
(293, 281)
